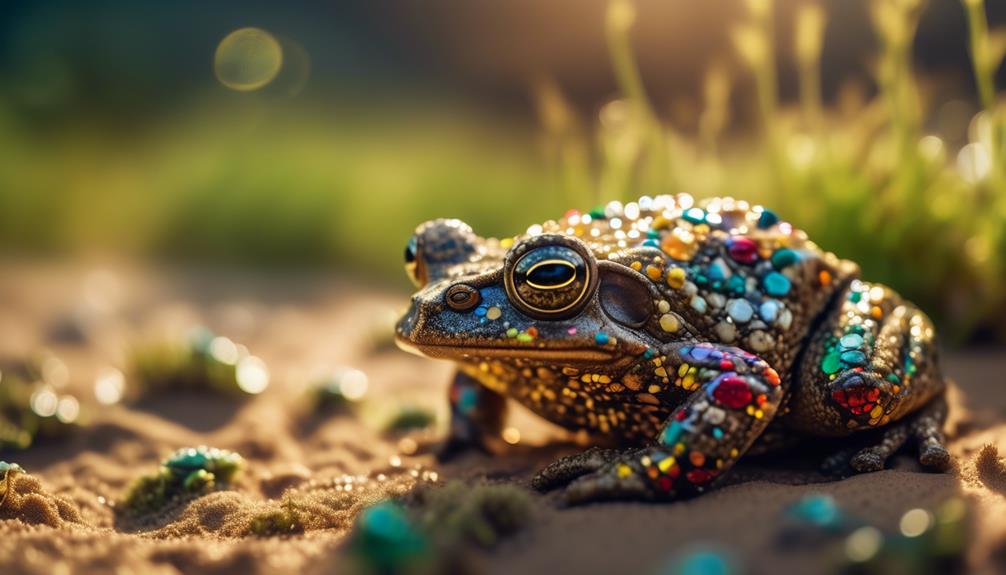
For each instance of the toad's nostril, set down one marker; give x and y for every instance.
(461, 297)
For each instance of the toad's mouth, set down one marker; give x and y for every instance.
(477, 352)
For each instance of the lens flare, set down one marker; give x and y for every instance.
(248, 59)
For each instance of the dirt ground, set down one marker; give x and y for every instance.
(301, 325)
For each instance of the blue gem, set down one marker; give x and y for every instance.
(776, 284)
(853, 357)
(649, 353)
(717, 433)
(651, 244)
(671, 433)
(601, 338)
(820, 510)
(851, 340)
(767, 219)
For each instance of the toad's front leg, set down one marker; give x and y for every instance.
(477, 417)
(737, 394)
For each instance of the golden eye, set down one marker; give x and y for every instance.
(413, 263)
(549, 281)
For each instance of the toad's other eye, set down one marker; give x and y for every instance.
(413, 265)
(549, 281)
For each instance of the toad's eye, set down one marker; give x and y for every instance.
(413, 265)
(549, 281)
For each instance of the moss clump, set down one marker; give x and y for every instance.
(284, 521)
(203, 361)
(481, 515)
(411, 418)
(188, 472)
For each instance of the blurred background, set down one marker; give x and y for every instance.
(315, 135)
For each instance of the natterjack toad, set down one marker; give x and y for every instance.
(687, 331)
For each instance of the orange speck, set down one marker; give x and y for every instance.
(824, 277)
(876, 312)
(532, 331)
(697, 458)
(771, 376)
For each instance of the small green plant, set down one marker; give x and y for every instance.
(202, 361)
(411, 418)
(283, 521)
(188, 472)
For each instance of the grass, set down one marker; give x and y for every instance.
(243, 179)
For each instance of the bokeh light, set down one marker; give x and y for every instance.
(252, 375)
(248, 59)
(109, 386)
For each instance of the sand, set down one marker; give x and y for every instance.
(61, 518)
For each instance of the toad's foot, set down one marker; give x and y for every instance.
(924, 429)
(565, 469)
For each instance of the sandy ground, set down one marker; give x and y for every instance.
(300, 325)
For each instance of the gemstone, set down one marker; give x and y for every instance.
(784, 258)
(726, 331)
(831, 363)
(735, 285)
(769, 310)
(676, 277)
(743, 250)
(694, 215)
(851, 340)
(669, 322)
(601, 338)
(718, 270)
(854, 357)
(671, 433)
(740, 310)
(698, 304)
(732, 391)
(767, 219)
(776, 284)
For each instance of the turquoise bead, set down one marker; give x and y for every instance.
(851, 341)
(853, 357)
(784, 258)
(767, 219)
(671, 433)
(776, 284)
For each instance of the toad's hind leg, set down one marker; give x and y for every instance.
(872, 364)
(735, 396)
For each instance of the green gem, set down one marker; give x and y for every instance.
(831, 364)
(524, 337)
(512, 332)
(855, 296)
(694, 216)
(784, 258)
(893, 378)
(597, 213)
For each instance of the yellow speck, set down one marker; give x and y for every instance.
(676, 277)
(624, 470)
(636, 266)
(669, 323)
(493, 313)
(679, 448)
(661, 372)
(653, 272)
(683, 369)
(506, 242)
(666, 463)
(604, 379)
(877, 412)
(688, 382)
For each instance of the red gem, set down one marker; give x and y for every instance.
(664, 483)
(699, 476)
(743, 250)
(733, 392)
(681, 415)
(674, 471)
(726, 364)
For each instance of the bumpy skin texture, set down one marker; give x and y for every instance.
(681, 331)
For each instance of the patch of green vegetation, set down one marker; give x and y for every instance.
(411, 418)
(283, 521)
(435, 529)
(189, 472)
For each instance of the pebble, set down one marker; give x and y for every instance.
(740, 310)
(669, 322)
(769, 310)
(726, 331)
(698, 304)
(760, 341)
